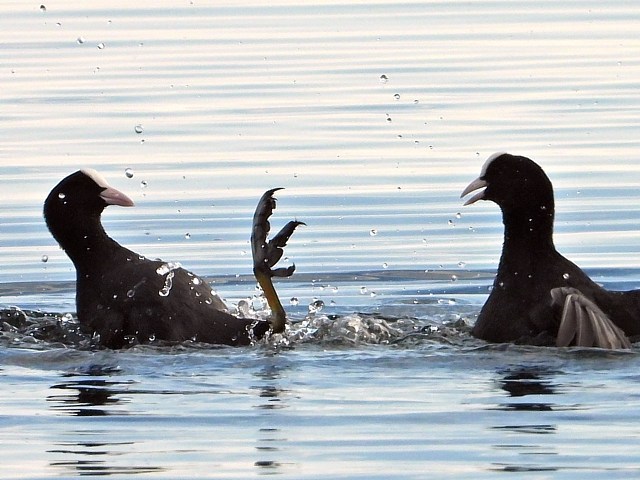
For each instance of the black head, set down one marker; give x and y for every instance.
(78, 200)
(514, 183)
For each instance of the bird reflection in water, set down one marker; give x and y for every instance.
(270, 439)
(89, 398)
(525, 382)
(89, 448)
(524, 419)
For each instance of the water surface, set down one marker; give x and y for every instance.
(373, 116)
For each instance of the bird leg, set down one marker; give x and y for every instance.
(266, 253)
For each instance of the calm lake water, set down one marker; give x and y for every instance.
(373, 116)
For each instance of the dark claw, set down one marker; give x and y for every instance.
(266, 254)
(278, 242)
(261, 227)
(283, 272)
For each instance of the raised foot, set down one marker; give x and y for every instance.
(584, 324)
(267, 253)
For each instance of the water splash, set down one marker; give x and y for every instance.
(316, 306)
(168, 270)
(168, 267)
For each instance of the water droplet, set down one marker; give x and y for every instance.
(385, 265)
(294, 301)
(384, 78)
(458, 215)
(187, 235)
(43, 8)
(138, 129)
(152, 337)
(80, 40)
(316, 306)
(373, 232)
(144, 184)
(168, 284)
(45, 258)
(131, 293)
(397, 96)
(208, 300)
(129, 172)
(196, 281)
(462, 264)
(389, 118)
(454, 278)
(566, 276)
(451, 223)
(363, 290)
(61, 196)
(100, 46)
(446, 301)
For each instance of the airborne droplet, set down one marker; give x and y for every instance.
(316, 306)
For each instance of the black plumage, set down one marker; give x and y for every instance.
(123, 296)
(538, 294)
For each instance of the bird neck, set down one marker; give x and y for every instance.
(86, 243)
(528, 241)
(530, 230)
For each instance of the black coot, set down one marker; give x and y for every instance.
(124, 297)
(538, 294)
